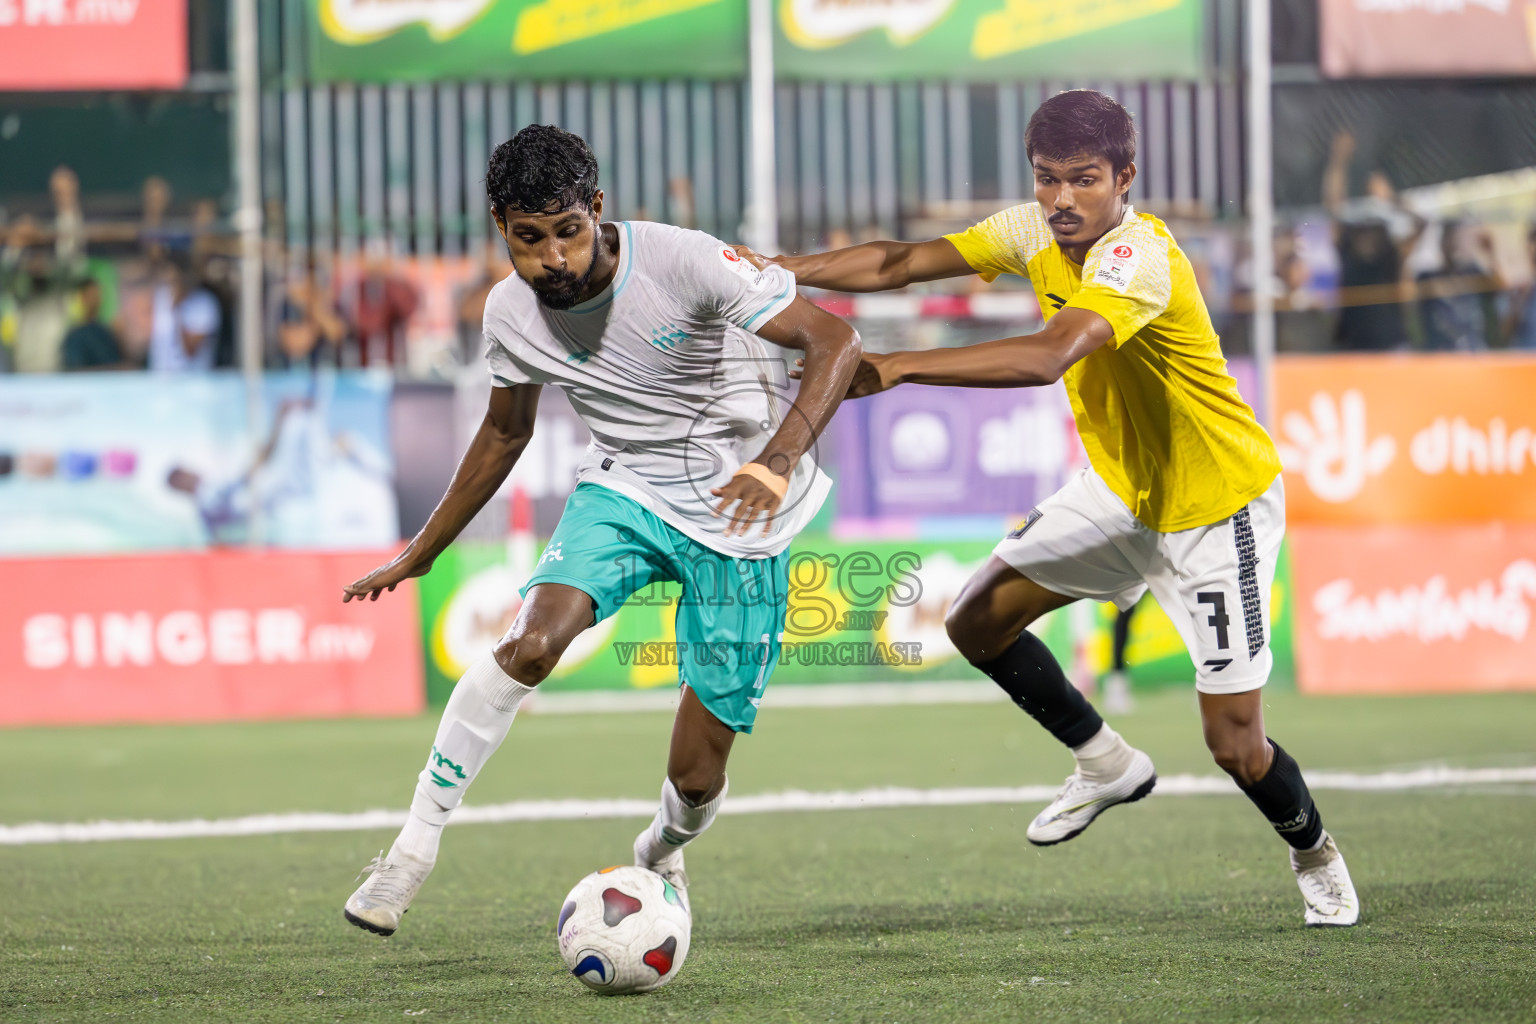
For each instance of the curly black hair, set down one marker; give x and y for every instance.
(1082, 122)
(541, 169)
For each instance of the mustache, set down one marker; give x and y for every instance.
(560, 289)
(556, 280)
(1065, 218)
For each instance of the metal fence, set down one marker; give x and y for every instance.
(405, 163)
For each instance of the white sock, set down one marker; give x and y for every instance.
(474, 723)
(677, 823)
(1104, 757)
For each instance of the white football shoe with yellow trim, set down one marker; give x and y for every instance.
(1326, 886)
(1080, 801)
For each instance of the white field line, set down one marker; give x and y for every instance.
(804, 695)
(766, 803)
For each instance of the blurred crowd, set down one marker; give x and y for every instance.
(159, 291)
(1375, 275)
(83, 295)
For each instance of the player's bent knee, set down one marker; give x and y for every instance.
(699, 787)
(973, 632)
(529, 657)
(1245, 758)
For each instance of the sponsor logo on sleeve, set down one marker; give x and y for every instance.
(729, 257)
(1117, 267)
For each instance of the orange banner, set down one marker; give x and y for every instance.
(203, 637)
(1426, 609)
(1408, 438)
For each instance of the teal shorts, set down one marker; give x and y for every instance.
(730, 615)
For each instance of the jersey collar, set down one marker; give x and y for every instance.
(620, 273)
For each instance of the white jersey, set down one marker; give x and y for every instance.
(665, 371)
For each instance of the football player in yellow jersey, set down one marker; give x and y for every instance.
(1182, 495)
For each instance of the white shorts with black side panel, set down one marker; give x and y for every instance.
(1213, 581)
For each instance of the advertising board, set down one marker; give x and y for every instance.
(873, 40)
(1415, 609)
(98, 462)
(1372, 38)
(90, 44)
(204, 637)
(1408, 438)
(1411, 501)
(988, 40)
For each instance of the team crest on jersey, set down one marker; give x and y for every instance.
(1029, 520)
(1117, 267)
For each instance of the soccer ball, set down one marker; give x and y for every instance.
(622, 930)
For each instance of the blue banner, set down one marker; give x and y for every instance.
(146, 462)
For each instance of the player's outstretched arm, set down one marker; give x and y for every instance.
(832, 351)
(871, 266)
(1025, 361)
(503, 434)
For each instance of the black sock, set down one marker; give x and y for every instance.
(1028, 673)
(1122, 637)
(1283, 798)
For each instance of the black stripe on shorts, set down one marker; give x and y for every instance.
(1248, 581)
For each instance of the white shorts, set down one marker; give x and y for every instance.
(1212, 581)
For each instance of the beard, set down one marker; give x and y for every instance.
(560, 289)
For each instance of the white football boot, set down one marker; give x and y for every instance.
(1325, 886)
(1080, 801)
(669, 867)
(379, 903)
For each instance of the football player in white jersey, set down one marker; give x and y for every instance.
(698, 473)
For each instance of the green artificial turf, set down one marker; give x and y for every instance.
(1177, 908)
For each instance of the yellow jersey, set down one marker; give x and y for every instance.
(1160, 416)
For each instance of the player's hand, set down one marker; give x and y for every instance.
(385, 577)
(876, 373)
(1342, 149)
(755, 258)
(751, 497)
